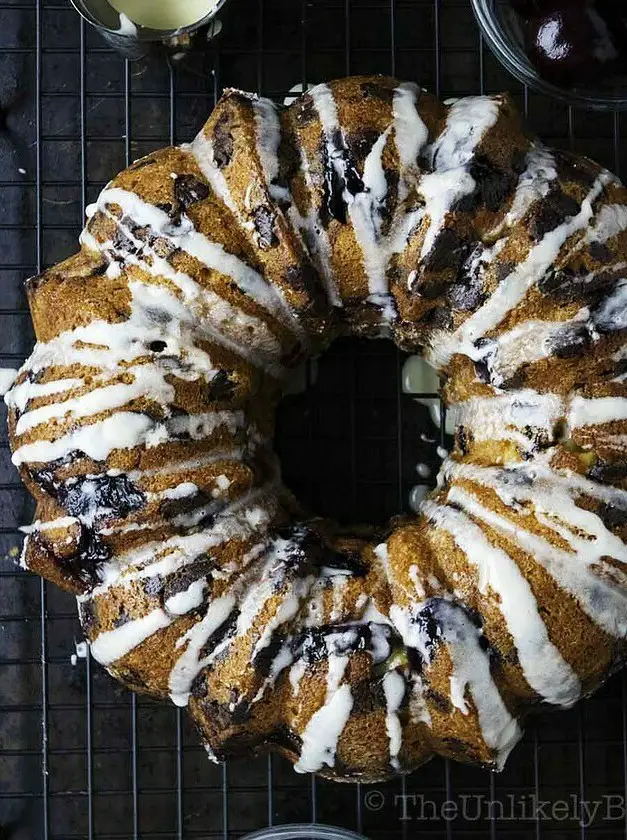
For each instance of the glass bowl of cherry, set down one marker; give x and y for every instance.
(575, 50)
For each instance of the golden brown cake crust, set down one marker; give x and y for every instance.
(142, 424)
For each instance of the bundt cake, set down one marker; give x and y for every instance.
(143, 421)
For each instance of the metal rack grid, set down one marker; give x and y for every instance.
(79, 756)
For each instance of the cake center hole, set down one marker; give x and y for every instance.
(353, 444)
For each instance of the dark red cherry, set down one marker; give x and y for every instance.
(575, 42)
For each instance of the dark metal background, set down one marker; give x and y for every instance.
(79, 756)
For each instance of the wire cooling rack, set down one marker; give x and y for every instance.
(79, 756)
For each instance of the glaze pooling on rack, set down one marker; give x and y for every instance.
(145, 425)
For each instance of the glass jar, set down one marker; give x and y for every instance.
(135, 41)
(304, 832)
(501, 29)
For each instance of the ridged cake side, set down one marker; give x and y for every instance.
(142, 424)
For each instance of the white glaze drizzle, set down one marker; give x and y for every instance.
(467, 123)
(597, 410)
(471, 665)
(533, 185)
(365, 207)
(394, 690)
(214, 318)
(297, 672)
(512, 416)
(187, 600)
(189, 664)
(202, 150)
(112, 645)
(441, 191)
(471, 672)
(7, 378)
(240, 520)
(268, 138)
(184, 236)
(125, 430)
(541, 662)
(148, 381)
(612, 314)
(19, 395)
(322, 733)
(418, 709)
(608, 223)
(410, 132)
(597, 594)
(417, 496)
(527, 342)
(268, 132)
(511, 291)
